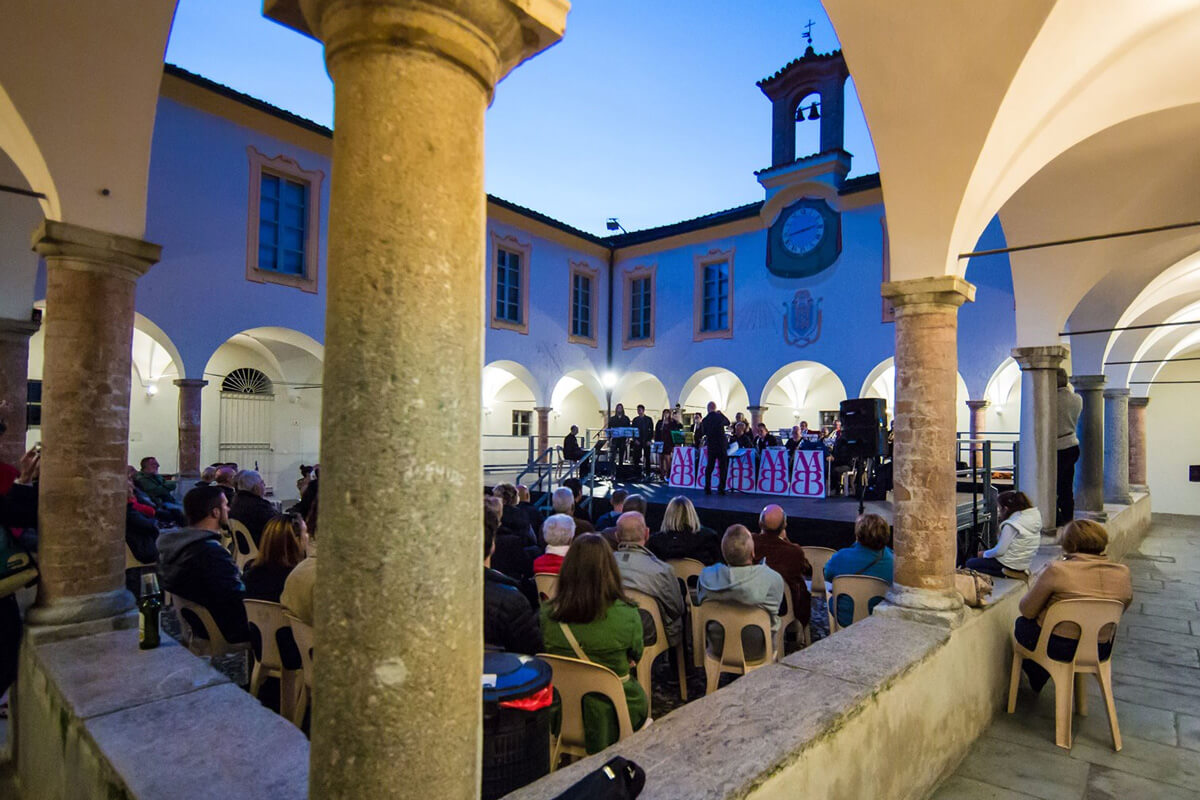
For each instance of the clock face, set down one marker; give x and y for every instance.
(803, 230)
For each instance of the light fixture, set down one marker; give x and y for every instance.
(614, 225)
(609, 379)
(487, 411)
(151, 389)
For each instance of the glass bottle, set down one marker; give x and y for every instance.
(149, 606)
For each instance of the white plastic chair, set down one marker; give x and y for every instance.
(574, 678)
(267, 622)
(302, 635)
(817, 556)
(547, 585)
(861, 589)
(244, 548)
(733, 619)
(685, 570)
(649, 605)
(201, 633)
(1092, 617)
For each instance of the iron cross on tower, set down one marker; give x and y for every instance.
(808, 32)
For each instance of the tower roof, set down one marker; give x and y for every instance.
(809, 65)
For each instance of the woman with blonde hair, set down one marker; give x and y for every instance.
(1083, 573)
(682, 535)
(283, 545)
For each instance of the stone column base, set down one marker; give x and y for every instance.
(1094, 516)
(102, 606)
(944, 609)
(1141, 488)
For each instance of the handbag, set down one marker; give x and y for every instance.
(17, 568)
(618, 779)
(973, 586)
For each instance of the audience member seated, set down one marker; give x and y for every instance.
(642, 572)
(559, 530)
(297, 595)
(570, 447)
(224, 481)
(18, 509)
(633, 502)
(283, 546)
(509, 621)
(1084, 573)
(740, 580)
(248, 506)
(609, 519)
(603, 628)
(563, 502)
(682, 535)
(532, 515)
(513, 554)
(207, 476)
(141, 537)
(194, 565)
(512, 519)
(785, 557)
(1020, 537)
(869, 555)
(309, 494)
(152, 489)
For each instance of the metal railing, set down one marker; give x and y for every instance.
(1005, 449)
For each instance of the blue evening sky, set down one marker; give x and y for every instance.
(646, 111)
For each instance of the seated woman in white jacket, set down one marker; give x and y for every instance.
(1020, 535)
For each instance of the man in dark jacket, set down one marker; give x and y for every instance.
(641, 443)
(509, 622)
(620, 446)
(18, 509)
(784, 556)
(248, 506)
(193, 564)
(712, 428)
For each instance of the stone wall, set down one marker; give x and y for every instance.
(1127, 525)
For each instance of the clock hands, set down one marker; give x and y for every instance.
(802, 230)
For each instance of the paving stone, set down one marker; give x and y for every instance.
(1043, 772)
(1189, 731)
(1180, 654)
(1156, 670)
(1180, 609)
(1171, 765)
(1134, 636)
(1144, 722)
(956, 787)
(1111, 784)
(1132, 620)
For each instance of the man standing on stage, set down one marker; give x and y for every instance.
(712, 428)
(618, 447)
(641, 444)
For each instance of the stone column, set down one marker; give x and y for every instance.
(756, 415)
(90, 279)
(14, 373)
(398, 707)
(1137, 444)
(1039, 421)
(978, 424)
(924, 496)
(190, 392)
(543, 429)
(1089, 472)
(1116, 446)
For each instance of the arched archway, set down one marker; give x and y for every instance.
(577, 399)
(634, 388)
(1003, 393)
(717, 385)
(275, 430)
(881, 382)
(799, 391)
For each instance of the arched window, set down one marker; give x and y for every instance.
(247, 380)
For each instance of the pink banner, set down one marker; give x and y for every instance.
(741, 472)
(683, 468)
(773, 471)
(808, 474)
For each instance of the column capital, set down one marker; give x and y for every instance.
(190, 383)
(487, 39)
(89, 250)
(1088, 382)
(1043, 357)
(926, 295)
(17, 330)
(975, 405)
(1139, 402)
(543, 409)
(756, 408)
(1116, 392)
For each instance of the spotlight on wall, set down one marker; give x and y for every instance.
(609, 379)
(487, 411)
(151, 389)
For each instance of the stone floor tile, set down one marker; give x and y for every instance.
(1138, 634)
(956, 787)
(1144, 722)
(1156, 670)
(1178, 609)
(1189, 731)
(1132, 619)
(1171, 765)
(1111, 784)
(1170, 699)
(1183, 654)
(1043, 772)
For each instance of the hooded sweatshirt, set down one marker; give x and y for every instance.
(1020, 536)
(193, 564)
(754, 585)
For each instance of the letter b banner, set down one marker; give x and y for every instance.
(808, 474)
(683, 468)
(773, 471)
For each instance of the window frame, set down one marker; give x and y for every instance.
(649, 272)
(585, 270)
(701, 263)
(524, 250)
(286, 168)
(522, 417)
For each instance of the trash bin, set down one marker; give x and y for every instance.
(516, 722)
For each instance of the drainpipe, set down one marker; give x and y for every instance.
(611, 258)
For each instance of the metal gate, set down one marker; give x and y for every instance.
(247, 421)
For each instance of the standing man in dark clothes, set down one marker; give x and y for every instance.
(641, 443)
(712, 429)
(18, 509)
(619, 446)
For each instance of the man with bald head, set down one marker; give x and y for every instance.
(739, 579)
(643, 572)
(785, 557)
(712, 429)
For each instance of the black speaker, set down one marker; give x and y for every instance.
(864, 426)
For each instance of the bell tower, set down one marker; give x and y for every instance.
(822, 74)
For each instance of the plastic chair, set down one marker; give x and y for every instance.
(200, 631)
(733, 619)
(574, 678)
(131, 561)
(687, 569)
(861, 589)
(302, 634)
(267, 623)
(649, 605)
(1092, 617)
(244, 548)
(817, 556)
(547, 585)
(786, 618)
